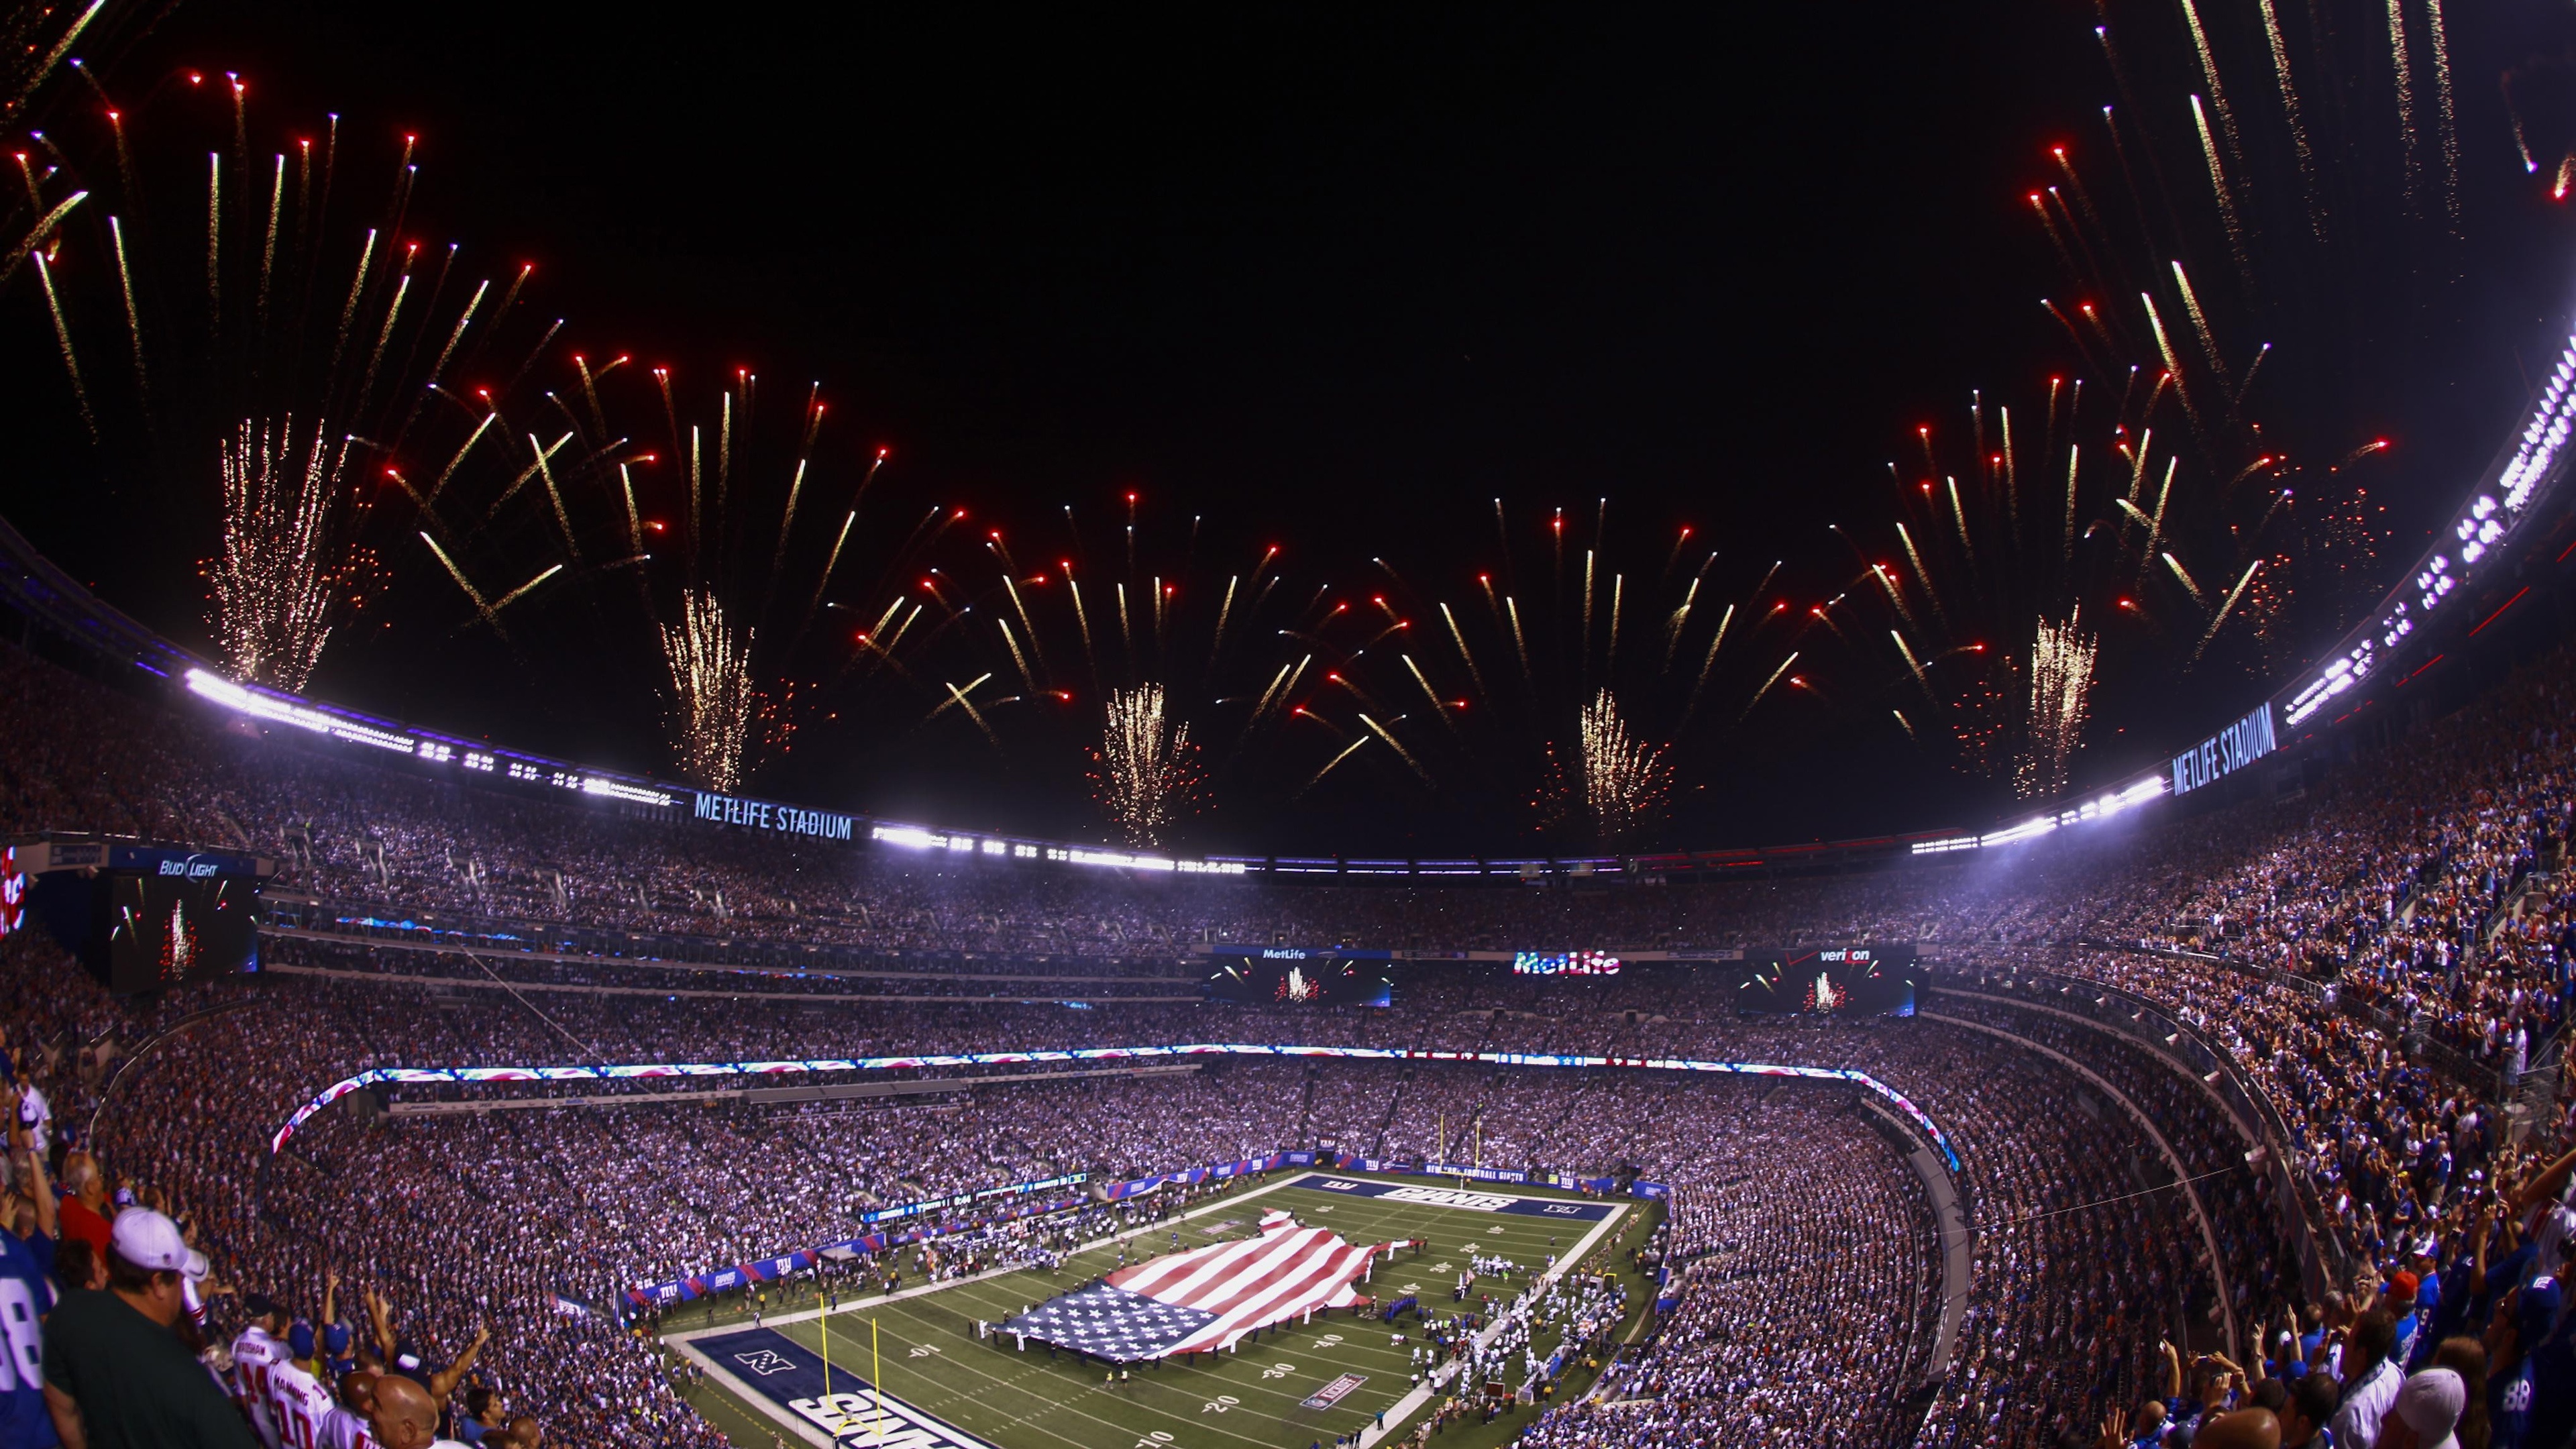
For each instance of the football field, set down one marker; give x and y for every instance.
(1282, 1389)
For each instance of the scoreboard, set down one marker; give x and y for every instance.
(144, 916)
(1829, 981)
(1298, 976)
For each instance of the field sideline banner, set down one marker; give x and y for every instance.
(1218, 1172)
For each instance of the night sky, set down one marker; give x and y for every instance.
(1335, 284)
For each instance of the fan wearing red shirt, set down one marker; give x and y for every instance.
(85, 1213)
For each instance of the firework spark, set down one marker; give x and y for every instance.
(282, 569)
(2062, 660)
(713, 696)
(2404, 68)
(1625, 782)
(1147, 773)
(2290, 109)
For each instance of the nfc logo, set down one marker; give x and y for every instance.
(764, 1363)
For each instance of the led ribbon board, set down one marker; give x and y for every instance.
(383, 1075)
(2524, 474)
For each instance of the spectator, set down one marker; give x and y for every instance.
(480, 1415)
(2371, 1379)
(406, 1416)
(86, 1212)
(346, 1426)
(2241, 1429)
(117, 1375)
(2310, 1407)
(2424, 1413)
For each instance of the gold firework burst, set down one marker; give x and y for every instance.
(283, 564)
(1147, 776)
(713, 697)
(2062, 658)
(1626, 782)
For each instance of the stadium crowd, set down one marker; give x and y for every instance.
(2381, 956)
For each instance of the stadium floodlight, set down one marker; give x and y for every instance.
(618, 790)
(269, 707)
(2035, 826)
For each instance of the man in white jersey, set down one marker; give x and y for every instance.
(256, 1353)
(345, 1427)
(295, 1392)
(37, 1116)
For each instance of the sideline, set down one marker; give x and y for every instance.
(1412, 1403)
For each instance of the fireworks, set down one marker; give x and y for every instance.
(1513, 677)
(1147, 775)
(2174, 531)
(691, 541)
(713, 699)
(216, 285)
(282, 567)
(2061, 700)
(1623, 783)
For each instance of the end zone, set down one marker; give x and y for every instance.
(1465, 1199)
(788, 1381)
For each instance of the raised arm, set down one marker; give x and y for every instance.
(2551, 1181)
(380, 1317)
(444, 1382)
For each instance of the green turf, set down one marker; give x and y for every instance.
(1244, 1400)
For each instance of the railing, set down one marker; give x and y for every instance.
(2488, 1081)
(2154, 1026)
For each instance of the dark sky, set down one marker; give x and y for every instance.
(1333, 281)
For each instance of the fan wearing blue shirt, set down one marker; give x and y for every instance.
(26, 1293)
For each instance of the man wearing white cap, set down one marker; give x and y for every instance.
(2426, 1411)
(116, 1375)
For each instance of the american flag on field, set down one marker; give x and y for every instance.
(1206, 1298)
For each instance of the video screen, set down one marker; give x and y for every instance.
(1278, 979)
(167, 932)
(1829, 981)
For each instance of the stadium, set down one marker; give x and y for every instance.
(1276, 1024)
